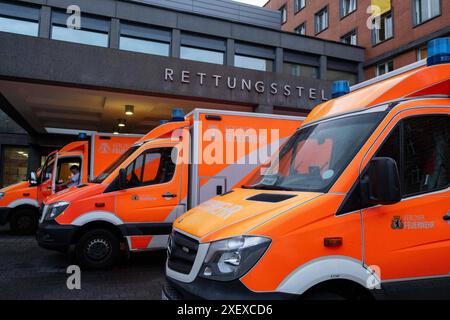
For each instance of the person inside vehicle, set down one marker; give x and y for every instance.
(74, 179)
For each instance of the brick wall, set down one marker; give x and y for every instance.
(404, 30)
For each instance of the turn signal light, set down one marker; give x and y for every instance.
(333, 242)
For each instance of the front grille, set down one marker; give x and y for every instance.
(181, 253)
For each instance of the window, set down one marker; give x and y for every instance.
(424, 161)
(315, 156)
(253, 63)
(152, 167)
(425, 10)
(426, 154)
(384, 68)
(422, 53)
(283, 11)
(47, 170)
(301, 70)
(350, 38)
(145, 40)
(93, 31)
(66, 175)
(301, 29)
(202, 55)
(299, 5)
(14, 165)
(335, 75)
(347, 7)
(321, 20)
(19, 19)
(202, 48)
(385, 30)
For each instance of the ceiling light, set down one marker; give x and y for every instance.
(121, 123)
(129, 110)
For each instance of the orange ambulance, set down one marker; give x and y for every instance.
(133, 203)
(356, 205)
(19, 203)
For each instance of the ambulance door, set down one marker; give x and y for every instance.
(64, 177)
(409, 242)
(155, 189)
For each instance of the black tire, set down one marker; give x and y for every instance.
(97, 249)
(24, 221)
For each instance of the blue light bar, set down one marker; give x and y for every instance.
(163, 121)
(438, 51)
(340, 88)
(177, 114)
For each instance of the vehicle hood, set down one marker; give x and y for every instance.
(16, 187)
(238, 210)
(75, 193)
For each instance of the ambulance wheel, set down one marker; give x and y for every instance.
(97, 249)
(23, 221)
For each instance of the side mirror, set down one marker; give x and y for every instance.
(382, 182)
(122, 179)
(33, 178)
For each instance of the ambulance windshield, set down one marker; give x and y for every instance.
(316, 155)
(105, 174)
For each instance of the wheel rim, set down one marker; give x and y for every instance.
(98, 249)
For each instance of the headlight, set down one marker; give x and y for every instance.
(55, 209)
(232, 258)
(2, 194)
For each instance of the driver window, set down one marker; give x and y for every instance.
(48, 171)
(68, 173)
(151, 167)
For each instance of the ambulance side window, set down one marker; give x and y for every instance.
(426, 154)
(47, 172)
(152, 167)
(391, 147)
(423, 156)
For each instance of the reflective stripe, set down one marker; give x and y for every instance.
(147, 243)
(24, 201)
(97, 216)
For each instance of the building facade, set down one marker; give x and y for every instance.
(71, 66)
(404, 26)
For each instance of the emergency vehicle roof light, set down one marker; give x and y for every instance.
(438, 51)
(177, 114)
(161, 122)
(340, 88)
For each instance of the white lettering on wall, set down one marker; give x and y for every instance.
(246, 85)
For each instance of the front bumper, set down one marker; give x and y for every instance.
(204, 289)
(4, 215)
(53, 236)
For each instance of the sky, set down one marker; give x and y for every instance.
(254, 2)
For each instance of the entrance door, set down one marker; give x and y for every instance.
(411, 239)
(153, 193)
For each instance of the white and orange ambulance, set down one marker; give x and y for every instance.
(19, 203)
(356, 205)
(180, 164)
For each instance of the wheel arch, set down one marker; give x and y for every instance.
(98, 225)
(325, 271)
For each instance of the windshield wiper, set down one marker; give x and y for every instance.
(268, 187)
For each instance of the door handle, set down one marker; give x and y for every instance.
(169, 195)
(447, 217)
(49, 188)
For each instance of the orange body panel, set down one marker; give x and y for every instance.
(147, 204)
(299, 226)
